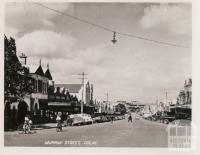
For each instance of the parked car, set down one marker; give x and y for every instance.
(156, 116)
(167, 117)
(80, 119)
(97, 119)
(137, 117)
(147, 115)
(75, 121)
(183, 115)
(181, 122)
(87, 118)
(117, 118)
(105, 119)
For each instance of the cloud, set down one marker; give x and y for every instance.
(130, 69)
(57, 49)
(48, 23)
(93, 55)
(26, 17)
(131, 75)
(46, 44)
(175, 18)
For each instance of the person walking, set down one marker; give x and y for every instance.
(112, 119)
(130, 118)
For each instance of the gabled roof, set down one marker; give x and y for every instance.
(48, 74)
(32, 68)
(72, 88)
(39, 71)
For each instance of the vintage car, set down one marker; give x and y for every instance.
(167, 117)
(79, 119)
(75, 121)
(97, 119)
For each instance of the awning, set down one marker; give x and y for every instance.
(59, 104)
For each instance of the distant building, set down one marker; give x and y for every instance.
(87, 93)
(82, 93)
(91, 95)
(185, 95)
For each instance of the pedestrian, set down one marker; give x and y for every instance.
(130, 118)
(27, 124)
(112, 119)
(59, 123)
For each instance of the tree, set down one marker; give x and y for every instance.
(120, 108)
(17, 83)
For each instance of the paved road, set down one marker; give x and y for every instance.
(141, 133)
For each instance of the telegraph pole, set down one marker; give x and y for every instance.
(166, 98)
(83, 80)
(107, 101)
(23, 56)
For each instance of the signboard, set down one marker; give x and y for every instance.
(57, 97)
(76, 109)
(51, 97)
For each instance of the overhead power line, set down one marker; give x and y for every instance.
(111, 30)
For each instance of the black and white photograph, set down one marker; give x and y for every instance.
(87, 74)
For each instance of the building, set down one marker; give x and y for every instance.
(185, 95)
(75, 90)
(87, 93)
(183, 107)
(81, 93)
(91, 95)
(34, 104)
(60, 100)
(39, 98)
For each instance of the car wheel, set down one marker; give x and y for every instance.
(166, 121)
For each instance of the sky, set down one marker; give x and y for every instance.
(132, 69)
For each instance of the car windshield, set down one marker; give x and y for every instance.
(78, 118)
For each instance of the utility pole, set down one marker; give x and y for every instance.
(23, 56)
(107, 101)
(166, 98)
(83, 80)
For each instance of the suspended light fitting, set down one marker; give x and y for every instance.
(114, 39)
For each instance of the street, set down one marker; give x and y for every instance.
(140, 133)
(110, 74)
